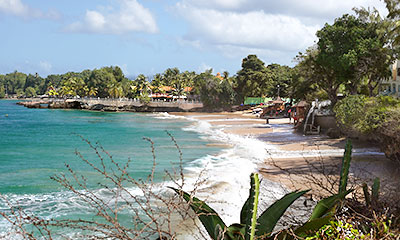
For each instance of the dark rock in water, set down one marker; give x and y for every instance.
(97, 107)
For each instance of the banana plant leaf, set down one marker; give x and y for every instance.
(208, 217)
(269, 218)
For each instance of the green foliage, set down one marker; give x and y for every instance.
(250, 227)
(375, 190)
(344, 172)
(30, 92)
(363, 114)
(393, 7)
(353, 54)
(271, 216)
(326, 205)
(367, 196)
(253, 79)
(214, 92)
(2, 91)
(372, 198)
(248, 215)
(208, 217)
(350, 110)
(337, 230)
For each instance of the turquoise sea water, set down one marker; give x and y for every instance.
(36, 143)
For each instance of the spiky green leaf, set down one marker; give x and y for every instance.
(208, 217)
(303, 231)
(326, 204)
(312, 226)
(366, 194)
(344, 172)
(269, 218)
(375, 190)
(235, 231)
(249, 211)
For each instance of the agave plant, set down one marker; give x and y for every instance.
(251, 227)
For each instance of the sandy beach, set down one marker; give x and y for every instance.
(303, 162)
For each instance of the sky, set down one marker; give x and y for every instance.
(149, 36)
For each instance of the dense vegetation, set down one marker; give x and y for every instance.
(375, 118)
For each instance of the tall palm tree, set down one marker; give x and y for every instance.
(115, 90)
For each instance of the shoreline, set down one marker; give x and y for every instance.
(300, 162)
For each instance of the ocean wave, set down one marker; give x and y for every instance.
(225, 176)
(165, 115)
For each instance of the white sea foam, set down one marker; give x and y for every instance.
(233, 120)
(165, 115)
(226, 175)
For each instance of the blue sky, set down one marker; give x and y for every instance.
(149, 36)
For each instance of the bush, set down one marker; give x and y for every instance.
(350, 110)
(365, 115)
(377, 118)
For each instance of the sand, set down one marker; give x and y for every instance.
(294, 168)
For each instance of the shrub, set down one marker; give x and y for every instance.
(365, 115)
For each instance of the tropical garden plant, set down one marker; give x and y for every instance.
(251, 227)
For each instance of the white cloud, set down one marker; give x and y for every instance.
(254, 29)
(272, 28)
(45, 66)
(131, 17)
(14, 7)
(307, 8)
(20, 9)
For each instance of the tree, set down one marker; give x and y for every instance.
(115, 89)
(171, 76)
(279, 76)
(2, 86)
(36, 82)
(156, 83)
(252, 79)
(30, 92)
(214, 92)
(315, 73)
(300, 88)
(341, 46)
(351, 53)
(393, 7)
(74, 86)
(2, 91)
(53, 81)
(15, 82)
(374, 65)
(101, 79)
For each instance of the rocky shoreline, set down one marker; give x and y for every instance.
(114, 105)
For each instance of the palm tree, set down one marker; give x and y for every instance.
(115, 89)
(92, 91)
(141, 84)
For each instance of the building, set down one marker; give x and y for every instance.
(391, 86)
